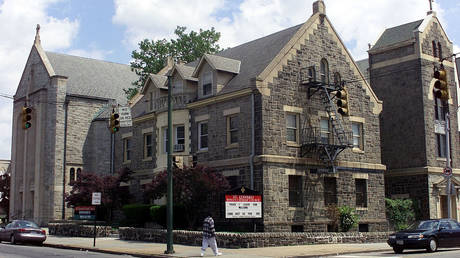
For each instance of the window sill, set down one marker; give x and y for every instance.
(147, 159)
(202, 151)
(126, 162)
(292, 144)
(441, 159)
(357, 150)
(295, 208)
(361, 208)
(232, 146)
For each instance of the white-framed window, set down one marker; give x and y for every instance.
(292, 126)
(324, 71)
(357, 130)
(232, 129)
(206, 84)
(147, 145)
(325, 130)
(126, 149)
(203, 135)
(179, 138)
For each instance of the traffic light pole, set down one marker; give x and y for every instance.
(169, 206)
(449, 181)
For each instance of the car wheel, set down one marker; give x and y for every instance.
(398, 250)
(432, 245)
(13, 239)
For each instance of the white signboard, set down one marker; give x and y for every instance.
(439, 127)
(96, 200)
(243, 206)
(125, 116)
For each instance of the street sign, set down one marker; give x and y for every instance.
(125, 116)
(447, 171)
(96, 200)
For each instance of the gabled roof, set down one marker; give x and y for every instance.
(255, 56)
(158, 80)
(397, 34)
(185, 72)
(219, 63)
(93, 78)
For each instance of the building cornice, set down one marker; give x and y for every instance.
(220, 98)
(144, 118)
(418, 171)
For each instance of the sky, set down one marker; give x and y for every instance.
(111, 29)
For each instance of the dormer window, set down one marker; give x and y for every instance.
(206, 83)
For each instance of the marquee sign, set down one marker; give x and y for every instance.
(243, 203)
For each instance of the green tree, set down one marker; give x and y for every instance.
(152, 55)
(347, 218)
(5, 182)
(400, 212)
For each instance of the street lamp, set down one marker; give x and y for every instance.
(169, 206)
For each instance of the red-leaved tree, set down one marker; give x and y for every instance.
(113, 195)
(193, 187)
(5, 180)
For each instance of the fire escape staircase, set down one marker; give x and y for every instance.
(326, 145)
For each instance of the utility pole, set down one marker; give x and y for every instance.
(169, 206)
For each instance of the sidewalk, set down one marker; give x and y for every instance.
(147, 249)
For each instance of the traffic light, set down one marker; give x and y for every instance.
(440, 85)
(342, 102)
(26, 117)
(114, 122)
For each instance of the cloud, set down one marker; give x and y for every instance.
(18, 19)
(358, 22)
(92, 53)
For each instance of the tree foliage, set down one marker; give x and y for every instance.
(153, 54)
(347, 218)
(400, 213)
(112, 194)
(5, 182)
(193, 187)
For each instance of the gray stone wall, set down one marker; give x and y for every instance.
(96, 148)
(253, 240)
(392, 53)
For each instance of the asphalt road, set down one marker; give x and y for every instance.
(8, 250)
(442, 252)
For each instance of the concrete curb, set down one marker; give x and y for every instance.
(97, 250)
(342, 253)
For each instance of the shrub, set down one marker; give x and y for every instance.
(136, 214)
(400, 213)
(347, 218)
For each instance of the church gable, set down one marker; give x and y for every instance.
(433, 38)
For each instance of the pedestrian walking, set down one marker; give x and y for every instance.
(209, 236)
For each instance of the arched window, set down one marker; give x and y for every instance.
(440, 50)
(78, 173)
(324, 71)
(337, 79)
(72, 176)
(435, 50)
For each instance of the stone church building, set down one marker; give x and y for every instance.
(70, 98)
(413, 128)
(264, 114)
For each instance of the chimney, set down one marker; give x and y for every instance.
(319, 7)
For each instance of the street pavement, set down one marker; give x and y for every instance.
(114, 245)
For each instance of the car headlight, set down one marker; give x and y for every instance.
(415, 236)
(392, 237)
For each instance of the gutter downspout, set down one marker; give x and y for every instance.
(251, 157)
(66, 107)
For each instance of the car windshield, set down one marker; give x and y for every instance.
(429, 224)
(26, 224)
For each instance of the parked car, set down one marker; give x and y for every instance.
(22, 231)
(428, 234)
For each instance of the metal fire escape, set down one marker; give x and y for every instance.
(325, 145)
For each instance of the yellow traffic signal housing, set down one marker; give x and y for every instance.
(441, 90)
(114, 122)
(26, 117)
(342, 102)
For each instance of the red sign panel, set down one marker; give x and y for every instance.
(85, 208)
(243, 198)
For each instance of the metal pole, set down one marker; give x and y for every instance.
(95, 217)
(112, 152)
(170, 249)
(449, 190)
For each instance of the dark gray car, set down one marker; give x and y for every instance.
(22, 231)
